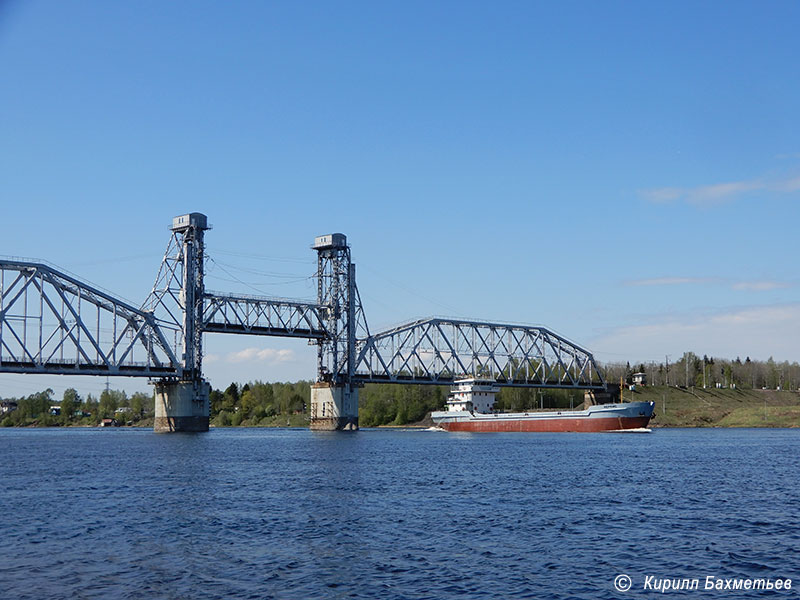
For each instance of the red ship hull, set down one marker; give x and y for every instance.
(605, 417)
(549, 425)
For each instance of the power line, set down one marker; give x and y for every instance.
(265, 257)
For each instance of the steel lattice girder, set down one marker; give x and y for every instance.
(255, 315)
(438, 351)
(51, 322)
(166, 298)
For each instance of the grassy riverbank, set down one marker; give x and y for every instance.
(711, 407)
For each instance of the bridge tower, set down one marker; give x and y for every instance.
(182, 404)
(334, 396)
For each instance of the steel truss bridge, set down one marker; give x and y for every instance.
(53, 323)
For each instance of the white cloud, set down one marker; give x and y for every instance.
(707, 195)
(668, 281)
(759, 286)
(719, 193)
(260, 355)
(662, 195)
(758, 332)
(749, 286)
(788, 185)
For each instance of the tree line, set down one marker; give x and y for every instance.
(43, 409)
(693, 370)
(258, 403)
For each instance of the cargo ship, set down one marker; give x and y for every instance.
(470, 407)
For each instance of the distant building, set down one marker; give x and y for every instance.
(55, 410)
(639, 378)
(7, 406)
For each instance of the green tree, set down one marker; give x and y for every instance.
(69, 403)
(263, 397)
(141, 404)
(37, 406)
(216, 398)
(92, 407)
(247, 404)
(110, 401)
(296, 403)
(773, 376)
(230, 398)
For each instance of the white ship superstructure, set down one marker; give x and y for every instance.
(472, 395)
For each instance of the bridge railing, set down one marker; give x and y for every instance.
(440, 350)
(51, 322)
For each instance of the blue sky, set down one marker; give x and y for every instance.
(625, 173)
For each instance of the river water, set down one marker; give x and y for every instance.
(268, 513)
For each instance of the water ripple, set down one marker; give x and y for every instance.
(291, 514)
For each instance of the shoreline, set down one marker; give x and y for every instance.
(675, 407)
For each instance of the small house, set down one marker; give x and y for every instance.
(639, 378)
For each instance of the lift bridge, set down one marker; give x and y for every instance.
(53, 323)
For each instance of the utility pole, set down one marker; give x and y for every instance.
(667, 357)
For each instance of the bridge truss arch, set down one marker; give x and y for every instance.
(52, 323)
(441, 350)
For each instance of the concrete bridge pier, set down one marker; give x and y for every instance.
(334, 407)
(181, 406)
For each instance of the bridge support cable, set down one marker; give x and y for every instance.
(52, 323)
(438, 351)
